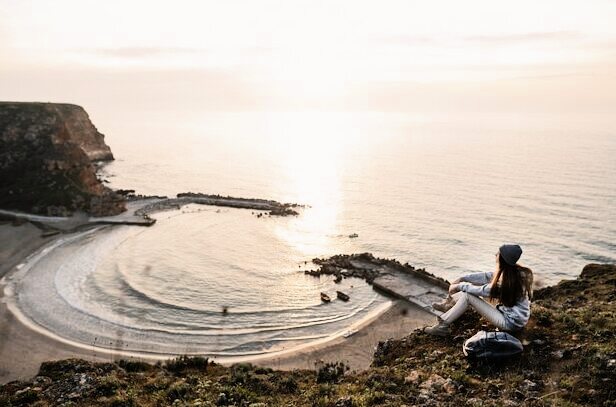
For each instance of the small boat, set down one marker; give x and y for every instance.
(325, 297)
(353, 235)
(342, 296)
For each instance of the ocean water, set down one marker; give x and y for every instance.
(440, 192)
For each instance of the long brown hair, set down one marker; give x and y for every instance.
(515, 282)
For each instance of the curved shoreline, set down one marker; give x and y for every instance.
(160, 356)
(48, 343)
(46, 301)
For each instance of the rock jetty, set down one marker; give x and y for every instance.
(368, 267)
(274, 208)
(390, 277)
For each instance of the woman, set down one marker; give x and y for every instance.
(510, 286)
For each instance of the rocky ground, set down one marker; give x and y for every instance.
(569, 360)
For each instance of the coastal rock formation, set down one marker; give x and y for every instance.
(47, 152)
(368, 267)
(388, 276)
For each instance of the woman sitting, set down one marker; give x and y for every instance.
(510, 286)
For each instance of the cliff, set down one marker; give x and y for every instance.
(82, 132)
(569, 360)
(47, 152)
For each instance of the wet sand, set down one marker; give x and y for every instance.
(358, 349)
(22, 350)
(17, 242)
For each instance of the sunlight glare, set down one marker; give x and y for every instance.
(312, 148)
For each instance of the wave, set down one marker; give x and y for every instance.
(130, 290)
(211, 329)
(58, 295)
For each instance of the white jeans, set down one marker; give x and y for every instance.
(465, 300)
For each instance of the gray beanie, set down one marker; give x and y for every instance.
(510, 253)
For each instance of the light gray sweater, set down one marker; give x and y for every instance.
(479, 284)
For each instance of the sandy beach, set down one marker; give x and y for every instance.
(22, 350)
(358, 349)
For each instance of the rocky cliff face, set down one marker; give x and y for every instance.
(46, 155)
(81, 131)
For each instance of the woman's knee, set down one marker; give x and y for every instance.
(460, 295)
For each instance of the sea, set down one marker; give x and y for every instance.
(439, 191)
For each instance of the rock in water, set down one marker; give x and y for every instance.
(46, 156)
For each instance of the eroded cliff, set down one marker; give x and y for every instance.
(82, 131)
(46, 155)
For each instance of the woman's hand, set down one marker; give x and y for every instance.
(457, 281)
(454, 288)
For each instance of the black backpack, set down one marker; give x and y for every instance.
(492, 345)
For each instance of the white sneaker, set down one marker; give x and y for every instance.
(440, 329)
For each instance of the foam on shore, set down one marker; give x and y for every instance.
(53, 294)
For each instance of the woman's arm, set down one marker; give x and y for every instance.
(473, 283)
(478, 290)
(480, 278)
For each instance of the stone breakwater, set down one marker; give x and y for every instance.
(390, 277)
(47, 155)
(368, 267)
(140, 207)
(274, 208)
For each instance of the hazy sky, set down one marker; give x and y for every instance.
(385, 55)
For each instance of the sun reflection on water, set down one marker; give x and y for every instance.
(311, 149)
